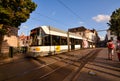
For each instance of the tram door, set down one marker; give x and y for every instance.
(72, 43)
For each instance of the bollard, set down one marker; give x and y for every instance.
(11, 52)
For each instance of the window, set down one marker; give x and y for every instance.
(37, 36)
(63, 41)
(77, 41)
(56, 40)
(46, 40)
(111, 38)
(111, 33)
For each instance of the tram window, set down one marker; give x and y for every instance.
(77, 41)
(34, 40)
(46, 40)
(63, 40)
(38, 31)
(72, 40)
(37, 37)
(56, 40)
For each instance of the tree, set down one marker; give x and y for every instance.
(114, 22)
(13, 13)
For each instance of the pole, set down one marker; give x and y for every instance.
(68, 41)
(50, 41)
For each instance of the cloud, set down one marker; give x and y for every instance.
(81, 22)
(101, 18)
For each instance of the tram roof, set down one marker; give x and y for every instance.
(50, 28)
(54, 31)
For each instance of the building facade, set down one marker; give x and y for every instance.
(90, 35)
(10, 40)
(111, 36)
(23, 40)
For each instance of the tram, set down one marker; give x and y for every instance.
(47, 40)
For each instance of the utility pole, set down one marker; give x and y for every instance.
(68, 40)
(50, 40)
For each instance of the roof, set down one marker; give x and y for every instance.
(53, 31)
(23, 37)
(76, 29)
(58, 32)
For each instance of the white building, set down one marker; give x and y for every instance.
(111, 36)
(90, 35)
(23, 40)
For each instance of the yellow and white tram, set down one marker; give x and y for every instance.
(46, 40)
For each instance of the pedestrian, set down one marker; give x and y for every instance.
(111, 47)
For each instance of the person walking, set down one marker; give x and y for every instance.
(111, 47)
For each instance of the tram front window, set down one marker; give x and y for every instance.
(36, 37)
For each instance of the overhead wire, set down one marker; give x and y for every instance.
(74, 12)
(69, 9)
(55, 20)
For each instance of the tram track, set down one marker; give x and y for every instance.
(60, 65)
(89, 57)
(82, 61)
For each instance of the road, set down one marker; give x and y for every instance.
(50, 68)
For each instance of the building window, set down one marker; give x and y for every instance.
(111, 33)
(111, 38)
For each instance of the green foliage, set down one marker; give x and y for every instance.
(2, 31)
(15, 12)
(114, 22)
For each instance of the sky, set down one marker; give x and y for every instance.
(65, 14)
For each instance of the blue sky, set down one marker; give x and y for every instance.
(65, 14)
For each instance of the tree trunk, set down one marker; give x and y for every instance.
(1, 40)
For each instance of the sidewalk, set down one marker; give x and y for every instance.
(101, 69)
(10, 60)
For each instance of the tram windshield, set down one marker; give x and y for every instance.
(36, 36)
